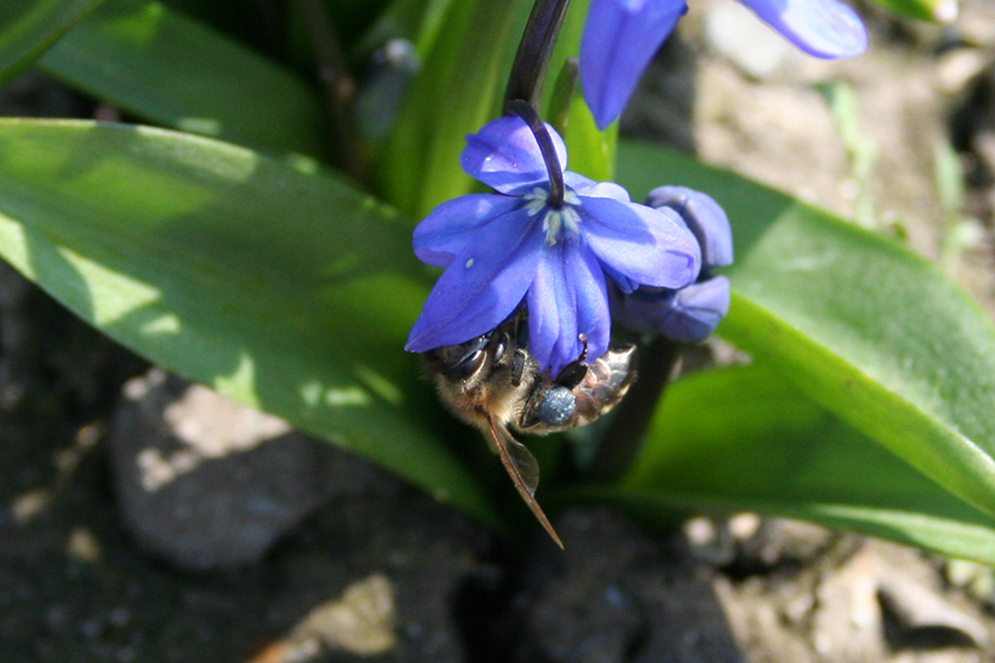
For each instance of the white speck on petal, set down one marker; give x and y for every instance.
(469, 263)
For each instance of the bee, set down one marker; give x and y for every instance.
(492, 382)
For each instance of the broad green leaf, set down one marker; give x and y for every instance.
(869, 330)
(28, 27)
(745, 439)
(163, 67)
(459, 90)
(937, 11)
(280, 287)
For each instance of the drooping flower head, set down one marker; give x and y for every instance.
(693, 312)
(515, 246)
(621, 37)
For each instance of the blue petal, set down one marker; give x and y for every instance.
(504, 154)
(823, 28)
(483, 285)
(651, 247)
(624, 283)
(445, 233)
(583, 186)
(577, 182)
(568, 298)
(690, 314)
(620, 39)
(704, 217)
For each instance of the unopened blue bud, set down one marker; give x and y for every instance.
(704, 217)
(690, 314)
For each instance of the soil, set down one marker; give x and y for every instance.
(379, 572)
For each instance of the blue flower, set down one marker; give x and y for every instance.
(512, 246)
(693, 312)
(621, 37)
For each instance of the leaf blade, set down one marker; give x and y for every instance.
(746, 439)
(284, 290)
(164, 67)
(869, 330)
(28, 28)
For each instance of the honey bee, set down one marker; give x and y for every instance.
(492, 382)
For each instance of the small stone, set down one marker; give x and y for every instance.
(957, 68)
(925, 616)
(207, 483)
(83, 546)
(360, 622)
(737, 34)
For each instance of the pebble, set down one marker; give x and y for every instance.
(735, 32)
(206, 483)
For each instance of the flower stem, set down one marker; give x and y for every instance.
(527, 112)
(528, 73)
(624, 438)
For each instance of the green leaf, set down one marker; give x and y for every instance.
(936, 11)
(868, 329)
(417, 21)
(745, 439)
(281, 288)
(28, 27)
(163, 67)
(458, 91)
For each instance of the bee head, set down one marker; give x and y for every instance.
(472, 361)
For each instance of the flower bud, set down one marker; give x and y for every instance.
(689, 314)
(704, 217)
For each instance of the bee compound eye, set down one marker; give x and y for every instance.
(557, 406)
(467, 366)
(500, 347)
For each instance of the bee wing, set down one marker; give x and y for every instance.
(523, 469)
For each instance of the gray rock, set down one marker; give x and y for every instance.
(206, 483)
(755, 48)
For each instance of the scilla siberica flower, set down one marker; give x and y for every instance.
(512, 246)
(621, 37)
(693, 312)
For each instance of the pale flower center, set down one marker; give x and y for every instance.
(556, 222)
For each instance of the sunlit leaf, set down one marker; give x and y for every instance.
(869, 330)
(281, 287)
(937, 11)
(745, 439)
(459, 90)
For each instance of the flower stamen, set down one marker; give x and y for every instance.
(557, 221)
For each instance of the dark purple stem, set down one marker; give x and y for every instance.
(524, 110)
(532, 58)
(624, 437)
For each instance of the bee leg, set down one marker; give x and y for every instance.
(572, 374)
